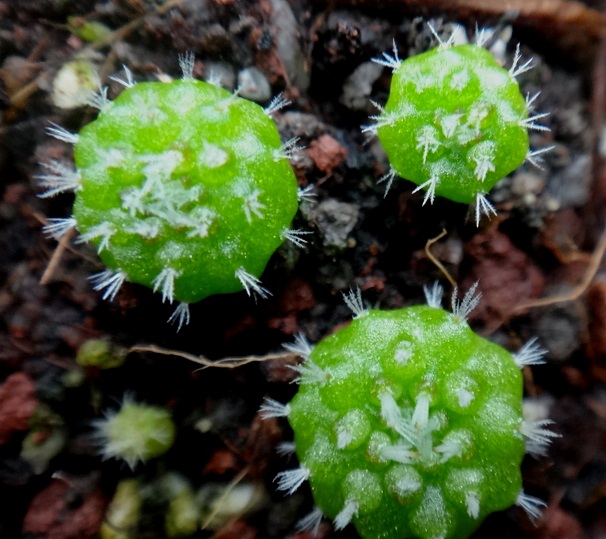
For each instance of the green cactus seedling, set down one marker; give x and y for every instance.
(455, 122)
(408, 424)
(135, 433)
(181, 186)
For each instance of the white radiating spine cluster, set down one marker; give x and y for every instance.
(415, 427)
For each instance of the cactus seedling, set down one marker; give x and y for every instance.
(409, 425)
(135, 433)
(182, 187)
(455, 122)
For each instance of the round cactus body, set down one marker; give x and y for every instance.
(409, 425)
(183, 185)
(455, 122)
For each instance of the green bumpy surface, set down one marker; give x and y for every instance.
(454, 118)
(184, 177)
(413, 420)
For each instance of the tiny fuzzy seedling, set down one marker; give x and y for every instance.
(456, 122)
(407, 424)
(135, 433)
(181, 186)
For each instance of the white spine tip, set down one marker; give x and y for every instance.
(291, 480)
(58, 227)
(529, 123)
(165, 282)
(472, 503)
(483, 207)
(310, 522)
(276, 104)
(530, 354)
(127, 81)
(300, 346)
(180, 316)
(353, 300)
(309, 373)
(350, 510)
(273, 408)
(462, 309)
(251, 284)
(98, 100)
(307, 193)
(289, 150)
(186, 63)
(517, 69)
(58, 132)
(430, 189)
(537, 436)
(296, 236)
(109, 281)
(535, 157)
(60, 179)
(434, 295)
(286, 449)
(531, 505)
(392, 61)
(102, 232)
(389, 178)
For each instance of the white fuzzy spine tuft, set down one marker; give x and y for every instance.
(286, 449)
(306, 194)
(483, 207)
(472, 503)
(353, 300)
(529, 123)
(289, 150)
(276, 104)
(535, 157)
(531, 505)
(103, 231)
(434, 295)
(58, 132)
(98, 100)
(392, 61)
(389, 178)
(537, 436)
(430, 189)
(251, 284)
(127, 81)
(61, 178)
(180, 316)
(186, 63)
(109, 281)
(310, 373)
(273, 408)
(350, 510)
(517, 69)
(291, 480)
(165, 282)
(462, 309)
(530, 354)
(58, 227)
(300, 346)
(295, 236)
(310, 522)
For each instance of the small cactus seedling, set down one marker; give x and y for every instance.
(455, 122)
(182, 187)
(135, 433)
(409, 425)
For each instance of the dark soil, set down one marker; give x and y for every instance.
(541, 245)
